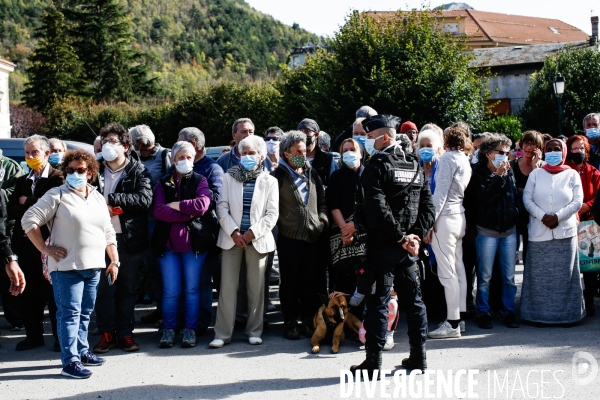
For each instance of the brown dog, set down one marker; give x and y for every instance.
(330, 321)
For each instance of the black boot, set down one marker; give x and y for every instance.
(371, 363)
(417, 358)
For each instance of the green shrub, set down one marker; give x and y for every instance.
(509, 125)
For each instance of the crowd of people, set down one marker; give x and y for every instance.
(83, 232)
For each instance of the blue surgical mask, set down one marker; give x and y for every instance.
(99, 156)
(475, 158)
(76, 181)
(360, 139)
(592, 133)
(553, 157)
(498, 159)
(249, 162)
(55, 158)
(426, 154)
(351, 159)
(370, 145)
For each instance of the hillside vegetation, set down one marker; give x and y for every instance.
(191, 43)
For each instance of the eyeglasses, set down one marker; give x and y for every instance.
(529, 145)
(578, 149)
(506, 153)
(111, 141)
(271, 139)
(80, 170)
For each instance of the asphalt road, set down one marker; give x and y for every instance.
(528, 362)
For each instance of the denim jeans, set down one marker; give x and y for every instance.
(115, 304)
(75, 294)
(181, 272)
(487, 247)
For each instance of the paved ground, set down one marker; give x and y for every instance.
(528, 362)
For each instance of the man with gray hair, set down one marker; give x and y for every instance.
(38, 291)
(302, 218)
(591, 125)
(241, 128)
(208, 168)
(156, 158)
(363, 112)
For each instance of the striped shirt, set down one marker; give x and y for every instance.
(247, 202)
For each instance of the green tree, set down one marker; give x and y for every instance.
(103, 40)
(581, 69)
(402, 64)
(54, 70)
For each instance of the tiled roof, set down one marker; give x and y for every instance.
(483, 26)
(515, 55)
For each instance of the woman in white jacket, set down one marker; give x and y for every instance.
(247, 209)
(552, 292)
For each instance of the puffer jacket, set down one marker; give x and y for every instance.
(492, 201)
(133, 194)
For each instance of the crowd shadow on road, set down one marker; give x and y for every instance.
(218, 391)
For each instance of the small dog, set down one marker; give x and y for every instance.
(330, 321)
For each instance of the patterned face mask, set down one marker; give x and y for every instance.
(298, 161)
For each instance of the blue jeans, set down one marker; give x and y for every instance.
(487, 248)
(75, 294)
(181, 272)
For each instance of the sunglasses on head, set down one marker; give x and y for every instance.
(80, 170)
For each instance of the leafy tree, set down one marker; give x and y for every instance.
(54, 70)
(581, 69)
(509, 125)
(103, 41)
(402, 64)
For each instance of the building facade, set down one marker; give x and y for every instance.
(6, 67)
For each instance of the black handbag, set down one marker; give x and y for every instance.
(204, 231)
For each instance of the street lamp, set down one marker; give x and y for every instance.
(559, 89)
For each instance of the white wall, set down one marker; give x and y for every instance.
(4, 103)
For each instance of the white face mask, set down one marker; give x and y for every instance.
(273, 147)
(184, 166)
(109, 152)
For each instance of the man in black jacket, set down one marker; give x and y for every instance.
(28, 189)
(398, 211)
(16, 276)
(126, 185)
(319, 160)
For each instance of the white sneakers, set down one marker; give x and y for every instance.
(389, 341)
(218, 343)
(445, 331)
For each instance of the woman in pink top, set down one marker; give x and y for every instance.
(180, 198)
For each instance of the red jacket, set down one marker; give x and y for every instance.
(590, 182)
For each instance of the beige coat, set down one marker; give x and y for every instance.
(264, 211)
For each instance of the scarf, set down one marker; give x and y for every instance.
(240, 174)
(562, 166)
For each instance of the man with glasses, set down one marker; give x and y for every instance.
(208, 168)
(321, 162)
(126, 185)
(410, 129)
(591, 125)
(57, 152)
(272, 138)
(28, 189)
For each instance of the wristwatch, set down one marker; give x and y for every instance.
(117, 263)
(12, 257)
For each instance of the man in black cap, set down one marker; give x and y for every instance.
(321, 161)
(397, 213)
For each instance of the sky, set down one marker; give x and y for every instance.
(324, 17)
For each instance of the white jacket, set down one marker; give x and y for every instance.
(559, 194)
(264, 211)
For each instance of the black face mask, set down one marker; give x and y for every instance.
(309, 140)
(576, 158)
